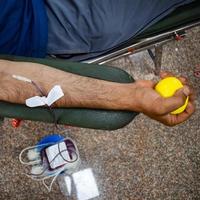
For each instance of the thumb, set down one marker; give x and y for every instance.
(176, 101)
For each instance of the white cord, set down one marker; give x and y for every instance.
(29, 148)
(53, 180)
(47, 177)
(38, 177)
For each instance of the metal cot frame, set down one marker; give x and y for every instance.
(148, 43)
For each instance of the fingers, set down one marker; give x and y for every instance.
(192, 95)
(183, 80)
(172, 120)
(190, 109)
(165, 74)
(167, 105)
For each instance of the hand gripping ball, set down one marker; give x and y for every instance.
(167, 88)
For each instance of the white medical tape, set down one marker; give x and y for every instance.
(55, 94)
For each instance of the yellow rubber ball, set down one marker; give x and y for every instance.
(167, 88)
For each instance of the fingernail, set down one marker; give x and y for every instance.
(186, 91)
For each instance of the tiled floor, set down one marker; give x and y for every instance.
(144, 160)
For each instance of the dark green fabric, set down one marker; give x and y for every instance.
(87, 118)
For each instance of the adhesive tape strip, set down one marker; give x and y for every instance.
(55, 94)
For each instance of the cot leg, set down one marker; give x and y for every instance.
(1, 120)
(158, 59)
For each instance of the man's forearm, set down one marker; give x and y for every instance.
(78, 91)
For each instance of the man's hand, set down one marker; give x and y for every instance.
(159, 108)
